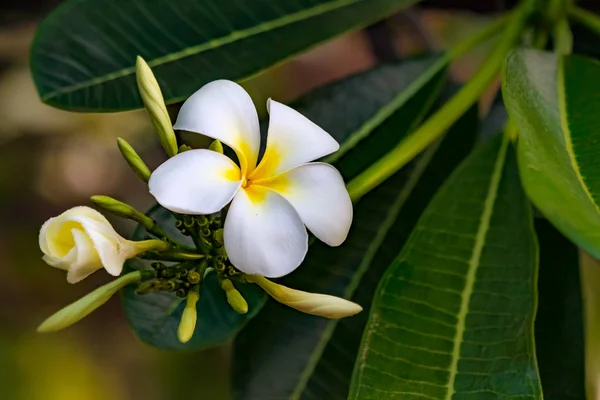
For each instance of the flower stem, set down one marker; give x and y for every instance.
(172, 256)
(585, 18)
(589, 269)
(439, 122)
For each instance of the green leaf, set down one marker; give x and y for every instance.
(286, 354)
(83, 56)
(559, 319)
(350, 110)
(155, 317)
(453, 315)
(554, 103)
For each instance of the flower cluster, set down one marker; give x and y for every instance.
(247, 215)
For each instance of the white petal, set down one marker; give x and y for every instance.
(85, 258)
(292, 140)
(263, 234)
(107, 244)
(195, 182)
(318, 193)
(223, 110)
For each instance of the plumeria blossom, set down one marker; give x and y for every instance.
(82, 241)
(272, 202)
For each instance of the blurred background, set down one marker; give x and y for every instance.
(51, 160)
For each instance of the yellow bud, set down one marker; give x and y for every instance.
(155, 105)
(133, 159)
(234, 297)
(84, 306)
(187, 326)
(321, 305)
(121, 209)
(216, 146)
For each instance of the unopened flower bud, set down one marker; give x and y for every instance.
(155, 105)
(234, 297)
(218, 236)
(133, 159)
(310, 303)
(124, 210)
(84, 306)
(216, 146)
(187, 326)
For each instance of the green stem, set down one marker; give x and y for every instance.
(563, 38)
(590, 289)
(172, 256)
(437, 124)
(585, 18)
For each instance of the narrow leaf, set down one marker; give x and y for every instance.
(83, 56)
(453, 315)
(554, 102)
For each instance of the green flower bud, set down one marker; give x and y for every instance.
(155, 105)
(234, 297)
(84, 306)
(184, 147)
(218, 236)
(216, 146)
(124, 210)
(133, 159)
(187, 326)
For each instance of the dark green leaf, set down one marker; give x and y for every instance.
(285, 354)
(83, 56)
(554, 102)
(559, 320)
(349, 109)
(453, 315)
(155, 317)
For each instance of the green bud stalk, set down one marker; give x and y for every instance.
(133, 159)
(155, 105)
(234, 297)
(84, 306)
(124, 210)
(187, 326)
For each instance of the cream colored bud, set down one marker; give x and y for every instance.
(187, 326)
(133, 159)
(216, 146)
(234, 297)
(82, 241)
(155, 105)
(84, 306)
(310, 303)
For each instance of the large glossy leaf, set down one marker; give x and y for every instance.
(453, 315)
(559, 319)
(83, 56)
(155, 317)
(284, 354)
(350, 110)
(554, 102)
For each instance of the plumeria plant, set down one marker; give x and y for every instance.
(468, 233)
(260, 234)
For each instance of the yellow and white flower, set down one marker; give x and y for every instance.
(271, 203)
(81, 241)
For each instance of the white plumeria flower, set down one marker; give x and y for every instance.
(271, 203)
(82, 241)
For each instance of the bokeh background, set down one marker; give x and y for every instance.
(51, 160)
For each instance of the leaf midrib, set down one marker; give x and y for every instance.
(474, 263)
(566, 131)
(211, 44)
